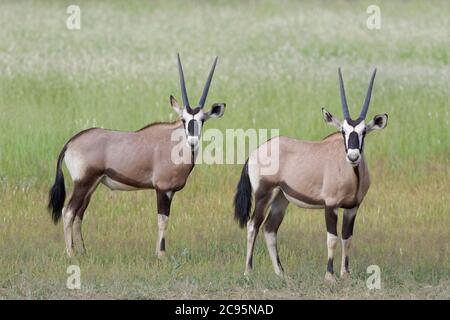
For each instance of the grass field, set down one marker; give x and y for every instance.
(277, 67)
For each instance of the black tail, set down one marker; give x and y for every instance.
(57, 193)
(243, 198)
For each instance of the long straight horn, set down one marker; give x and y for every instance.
(182, 83)
(343, 98)
(365, 106)
(201, 102)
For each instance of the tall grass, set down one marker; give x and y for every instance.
(277, 67)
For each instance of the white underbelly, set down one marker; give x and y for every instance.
(115, 185)
(302, 204)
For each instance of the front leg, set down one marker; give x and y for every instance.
(331, 215)
(163, 199)
(347, 232)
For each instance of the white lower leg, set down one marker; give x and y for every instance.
(331, 246)
(161, 242)
(345, 253)
(78, 238)
(68, 216)
(251, 235)
(271, 241)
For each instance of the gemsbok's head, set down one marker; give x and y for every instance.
(354, 131)
(194, 118)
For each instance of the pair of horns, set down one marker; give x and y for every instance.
(201, 102)
(365, 106)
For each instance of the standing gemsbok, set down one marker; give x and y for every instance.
(141, 159)
(329, 174)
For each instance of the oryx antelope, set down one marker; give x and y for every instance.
(329, 174)
(130, 161)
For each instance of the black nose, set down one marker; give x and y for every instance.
(193, 128)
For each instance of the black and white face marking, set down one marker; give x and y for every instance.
(193, 120)
(193, 123)
(354, 132)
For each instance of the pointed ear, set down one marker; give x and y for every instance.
(330, 119)
(217, 110)
(379, 122)
(175, 106)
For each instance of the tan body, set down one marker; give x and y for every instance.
(305, 172)
(129, 160)
(125, 161)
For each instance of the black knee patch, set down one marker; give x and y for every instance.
(163, 202)
(162, 245)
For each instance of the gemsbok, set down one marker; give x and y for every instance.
(329, 174)
(131, 161)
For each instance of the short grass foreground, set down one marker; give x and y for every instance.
(277, 67)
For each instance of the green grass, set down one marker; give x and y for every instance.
(277, 68)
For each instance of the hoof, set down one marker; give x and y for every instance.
(329, 278)
(247, 272)
(70, 253)
(280, 274)
(345, 275)
(161, 255)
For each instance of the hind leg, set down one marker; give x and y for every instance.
(262, 199)
(73, 214)
(68, 217)
(77, 236)
(76, 229)
(273, 221)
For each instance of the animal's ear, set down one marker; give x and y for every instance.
(217, 110)
(175, 106)
(330, 119)
(379, 122)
